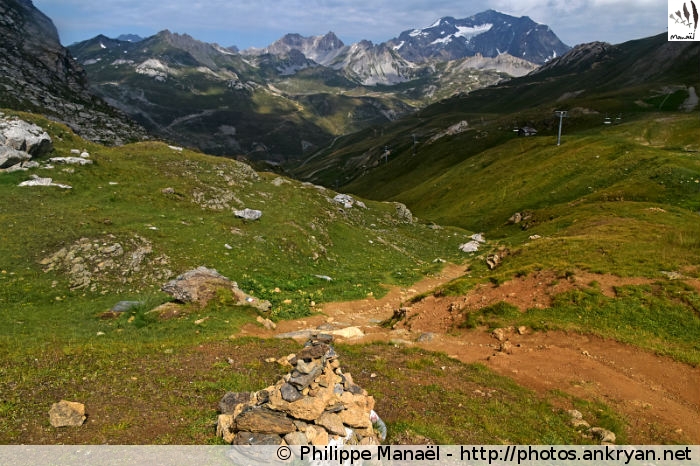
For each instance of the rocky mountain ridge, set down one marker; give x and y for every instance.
(40, 75)
(321, 49)
(488, 34)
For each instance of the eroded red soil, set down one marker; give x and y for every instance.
(659, 397)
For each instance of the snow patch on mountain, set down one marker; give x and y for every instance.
(463, 31)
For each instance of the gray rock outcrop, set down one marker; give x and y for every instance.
(20, 141)
(23, 136)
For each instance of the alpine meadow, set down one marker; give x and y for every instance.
(471, 233)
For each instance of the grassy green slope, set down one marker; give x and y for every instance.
(137, 368)
(653, 160)
(620, 200)
(119, 199)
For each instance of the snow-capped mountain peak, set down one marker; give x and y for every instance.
(489, 33)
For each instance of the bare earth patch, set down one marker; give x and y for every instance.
(659, 397)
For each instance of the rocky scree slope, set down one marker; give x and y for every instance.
(38, 74)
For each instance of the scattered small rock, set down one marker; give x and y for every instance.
(500, 334)
(471, 246)
(248, 214)
(267, 323)
(478, 237)
(673, 275)
(279, 181)
(67, 414)
(348, 333)
(125, 306)
(37, 181)
(493, 260)
(70, 161)
(506, 347)
(605, 436)
(580, 423)
(345, 200)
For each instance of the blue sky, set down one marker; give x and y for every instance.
(257, 23)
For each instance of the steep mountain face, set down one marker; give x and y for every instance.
(39, 75)
(372, 64)
(489, 34)
(362, 62)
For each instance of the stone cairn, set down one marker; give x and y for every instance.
(315, 404)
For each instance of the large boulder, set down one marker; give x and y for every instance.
(201, 286)
(403, 212)
(26, 137)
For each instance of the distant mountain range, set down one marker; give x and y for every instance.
(276, 104)
(489, 34)
(280, 103)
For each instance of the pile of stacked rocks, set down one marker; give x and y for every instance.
(315, 404)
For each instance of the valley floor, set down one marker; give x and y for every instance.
(658, 397)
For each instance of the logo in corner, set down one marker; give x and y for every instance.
(683, 20)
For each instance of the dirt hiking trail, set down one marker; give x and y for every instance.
(659, 397)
